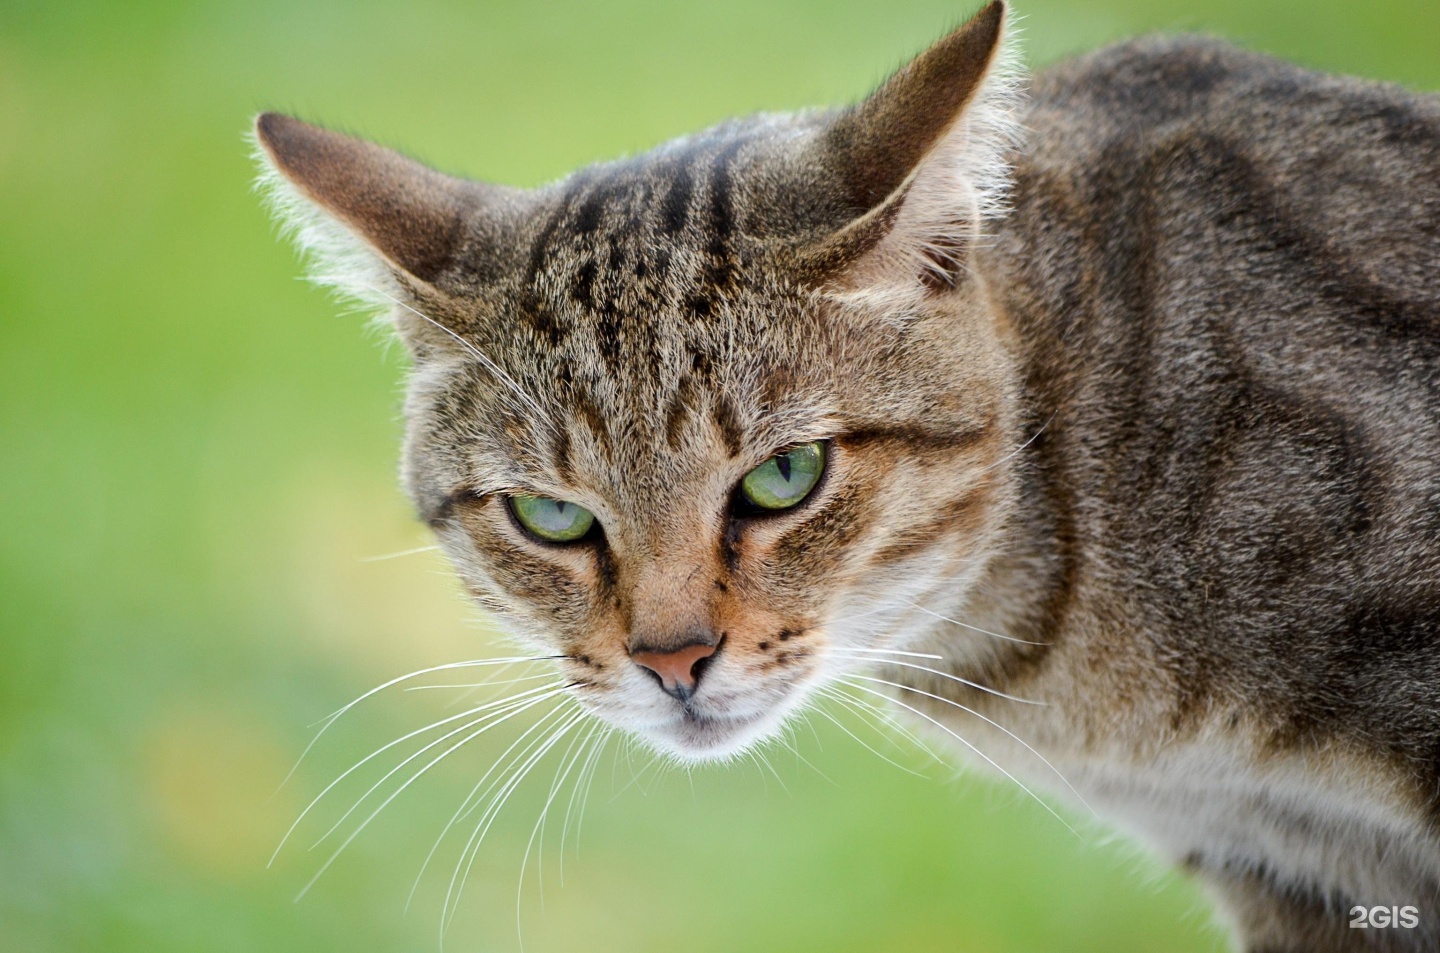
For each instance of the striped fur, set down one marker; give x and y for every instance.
(1159, 448)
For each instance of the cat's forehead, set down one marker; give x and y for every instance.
(647, 282)
(666, 231)
(656, 412)
(657, 322)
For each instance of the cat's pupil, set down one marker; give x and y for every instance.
(782, 463)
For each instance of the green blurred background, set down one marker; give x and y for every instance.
(197, 458)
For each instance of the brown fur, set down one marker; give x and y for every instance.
(1158, 448)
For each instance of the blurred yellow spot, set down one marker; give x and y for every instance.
(211, 773)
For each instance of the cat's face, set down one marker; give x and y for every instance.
(711, 424)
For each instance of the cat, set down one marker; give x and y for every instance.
(1119, 393)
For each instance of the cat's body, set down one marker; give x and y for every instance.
(1223, 276)
(1163, 441)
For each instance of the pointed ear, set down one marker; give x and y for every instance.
(922, 162)
(381, 228)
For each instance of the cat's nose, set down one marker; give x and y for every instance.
(678, 670)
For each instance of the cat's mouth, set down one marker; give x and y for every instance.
(695, 731)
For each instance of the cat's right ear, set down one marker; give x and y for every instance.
(380, 227)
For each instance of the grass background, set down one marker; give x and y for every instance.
(196, 454)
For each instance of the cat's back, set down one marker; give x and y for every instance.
(1224, 275)
(1193, 129)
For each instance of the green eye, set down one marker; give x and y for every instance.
(786, 478)
(556, 521)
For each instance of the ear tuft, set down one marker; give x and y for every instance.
(336, 257)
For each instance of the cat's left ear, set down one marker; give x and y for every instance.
(922, 162)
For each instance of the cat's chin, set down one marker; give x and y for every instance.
(711, 738)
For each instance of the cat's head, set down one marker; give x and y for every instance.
(710, 423)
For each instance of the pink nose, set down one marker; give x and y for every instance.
(679, 670)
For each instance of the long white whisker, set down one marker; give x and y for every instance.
(493, 811)
(989, 721)
(977, 751)
(1020, 449)
(838, 724)
(589, 783)
(759, 768)
(374, 754)
(330, 719)
(848, 648)
(476, 792)
(653, 766)
(562, 771)
(567, 763)
(403, 552)
(637, 778)
(396, 793)
(863, 615)
(479, 355)
(765, 762)
(582, 786)
(493, 791)
(503, 711)
(965, 681)
(493, 679)
(973, 628)
(788, 740)
(862, 706)
(485, 684)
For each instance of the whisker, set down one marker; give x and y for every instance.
(590, 784)
(330, 719)
(965, 681)
(973, 628)
(404, 552)
(507, 709)
(479, 355)
(862, 707)
(989, 721)
(484, 684)
(977, 751)
(750, 756)
(838, 724)
(637, 778)
(788, 740)
(847, 648)
(482, 827)
(579, 747)
(376, 753)
(1020, 449)
(805, 716)
(494, 679)
(765, 763)
(398, 791)
(582, 789)
(476, 794)
(863, 615)
(467, 806)
(567, 764)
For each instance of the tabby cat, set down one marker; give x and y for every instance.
(1122, 395)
